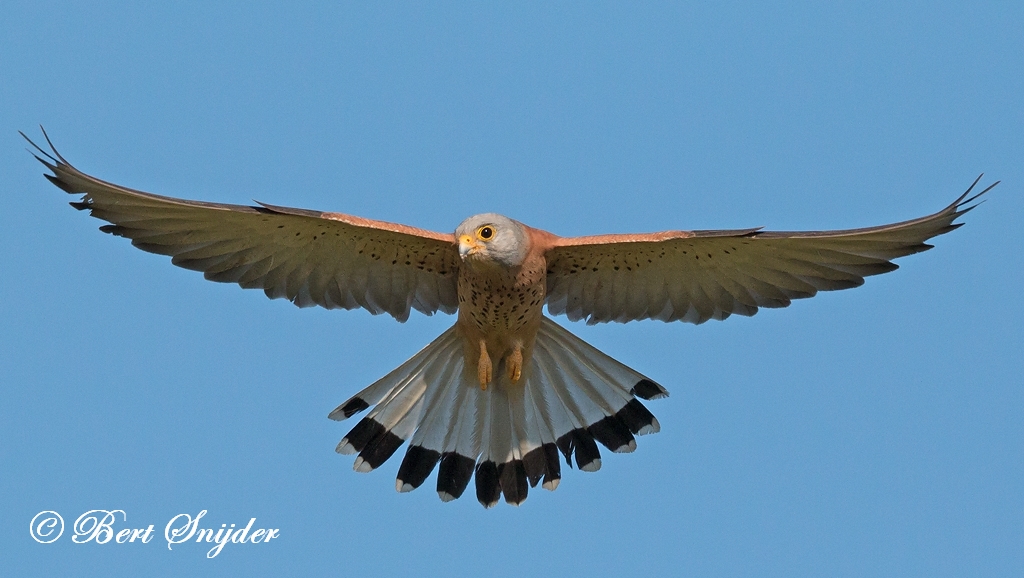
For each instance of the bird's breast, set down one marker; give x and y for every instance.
(499, 300)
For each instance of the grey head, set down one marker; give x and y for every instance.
(490, 238)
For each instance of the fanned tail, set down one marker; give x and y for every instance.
(570, 398)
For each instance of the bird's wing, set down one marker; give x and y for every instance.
(308, 257)
(699, 275)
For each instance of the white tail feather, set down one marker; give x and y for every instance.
(570, 395)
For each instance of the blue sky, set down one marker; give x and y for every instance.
(878, 431)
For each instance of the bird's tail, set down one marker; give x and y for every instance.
(570, 395)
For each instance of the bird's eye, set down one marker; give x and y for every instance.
(485, 233)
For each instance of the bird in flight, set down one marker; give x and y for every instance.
(505, 393)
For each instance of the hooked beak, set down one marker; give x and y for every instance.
(467, 246)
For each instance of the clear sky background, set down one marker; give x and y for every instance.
(871, 432)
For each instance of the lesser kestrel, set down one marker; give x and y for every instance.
(505, 390)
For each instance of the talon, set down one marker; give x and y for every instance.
(484, 369)
(515, 364)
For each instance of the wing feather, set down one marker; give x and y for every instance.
(308, 257)
(699, 275)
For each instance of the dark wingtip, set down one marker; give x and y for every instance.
(964, 200)
(57, 182)
(53, 148)
(40, 150)
(53, 154)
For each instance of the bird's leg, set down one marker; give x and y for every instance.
(514, 363)
(484, 369)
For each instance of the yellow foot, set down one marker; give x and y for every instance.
(484, 369)
(514, 362)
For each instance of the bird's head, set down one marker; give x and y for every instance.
(492, 239)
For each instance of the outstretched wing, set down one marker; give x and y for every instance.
(699, 275)
(307, 257)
